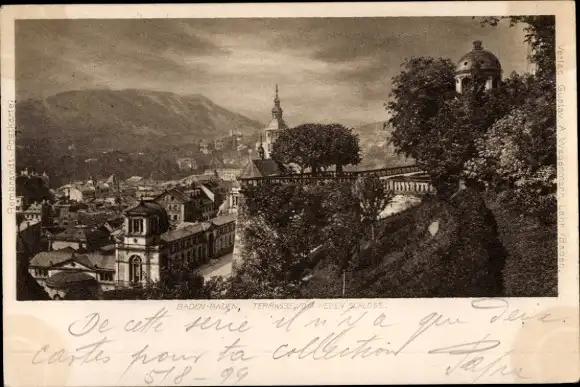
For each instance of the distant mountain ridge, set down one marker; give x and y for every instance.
(377, 152)
(128, 120)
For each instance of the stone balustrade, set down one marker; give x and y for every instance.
(399, 186)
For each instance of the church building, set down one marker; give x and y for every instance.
(274, 128)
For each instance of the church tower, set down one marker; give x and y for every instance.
(275, 127)
(141, 254)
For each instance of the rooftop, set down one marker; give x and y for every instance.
(94, 261)
(478, 58)
(66, 279)
(176, 194)
(261, 168)
(224, 219)
(184, 232)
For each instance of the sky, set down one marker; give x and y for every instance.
(328, 69)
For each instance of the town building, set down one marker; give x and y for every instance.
(113, 183)
(37, 211)
(204, 147)
(29, 237)
(79, 238)
(478, 63)
(180, 206)
(134, 181)
(40, 179)
(204, 199)
(62, 214)
(65, 272)
(236, 138)
(143, 250)
(230, 205)
(226, 172)
(187, 164)
(71, 192)
(149, 245)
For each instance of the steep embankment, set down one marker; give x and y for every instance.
(436, 249)
(531, 268)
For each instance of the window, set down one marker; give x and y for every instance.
(135, 269)
(135, 226)
(106, 276)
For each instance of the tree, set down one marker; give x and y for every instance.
(344, 148)
(517, 156)
(285, 230)
(280, 226)
(179, 281)
(373, 197)
(317, 146)
(438, 127)
(540, 33)
(302, 145)
(420, 93)
(517, 159)
(342, 232)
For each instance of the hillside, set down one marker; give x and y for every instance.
(435, 249)
(127, 120)
(376, 150)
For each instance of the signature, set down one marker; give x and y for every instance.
(479, 364)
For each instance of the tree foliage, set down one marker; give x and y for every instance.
(179, 280)
(317, 146)
(504, 138)
(517, 156)
(285, 230)
(373, 197)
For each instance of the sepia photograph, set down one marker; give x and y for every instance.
(286, 158)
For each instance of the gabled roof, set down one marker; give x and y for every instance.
(111, 180)
(176, 193)
(92, 261)
(49, 258)
(65, 279)
(261, 168)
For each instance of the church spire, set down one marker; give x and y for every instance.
(277, 109)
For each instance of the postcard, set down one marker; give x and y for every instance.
(290, 194)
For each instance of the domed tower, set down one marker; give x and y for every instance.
(477, 64)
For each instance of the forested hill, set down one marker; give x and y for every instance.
(127, 120)
(75, 134)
